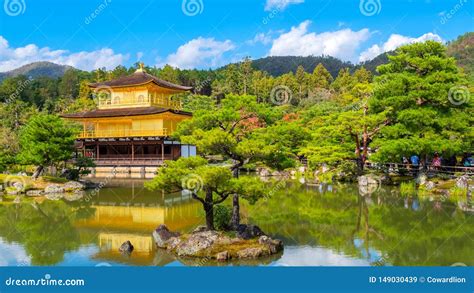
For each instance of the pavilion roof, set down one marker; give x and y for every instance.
(139, 78)
(120, 112)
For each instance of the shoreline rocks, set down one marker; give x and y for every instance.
(70, 190)
(249, 242)
(126, 247)
(161, 235)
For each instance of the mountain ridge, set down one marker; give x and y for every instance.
(462, 49)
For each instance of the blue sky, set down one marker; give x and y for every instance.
(93, 33)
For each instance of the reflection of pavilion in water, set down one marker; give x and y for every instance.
(132, 214)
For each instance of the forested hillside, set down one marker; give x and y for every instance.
(37, 69)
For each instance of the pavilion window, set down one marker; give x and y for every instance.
(117, 100)
(102, 150)
(167, 150)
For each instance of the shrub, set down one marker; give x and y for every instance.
(222, 216)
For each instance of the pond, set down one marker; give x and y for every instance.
(325, 225)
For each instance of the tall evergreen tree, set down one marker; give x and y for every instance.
(430, 109)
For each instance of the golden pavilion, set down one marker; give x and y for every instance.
(131, 126)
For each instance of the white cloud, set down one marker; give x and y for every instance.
(263, 38)
(393, 42)
(11, 58)
(341, 44)
(280, 4)
(200, 52)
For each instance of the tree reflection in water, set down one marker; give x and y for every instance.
(44, 229)
(379, 227)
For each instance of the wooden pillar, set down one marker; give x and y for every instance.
(162, 151)
(133, 151)
(97, 147)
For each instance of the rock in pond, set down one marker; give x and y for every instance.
(218, 245)
(463, 181)
(162, 234)
(196, 243)
(367, 180)
(222, 256)
(34, 192)
(274, 245)
(54, 196)
(249, 231)
(251, 252)
(126, 247)
(73, 186)
(54, 188)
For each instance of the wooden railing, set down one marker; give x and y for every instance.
(150, 99)
(401, 168)
(124, 133)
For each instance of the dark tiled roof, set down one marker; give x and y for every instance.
(100, 113)
(140, 78)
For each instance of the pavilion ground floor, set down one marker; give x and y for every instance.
(131, 158)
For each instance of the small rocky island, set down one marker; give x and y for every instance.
(247, 242)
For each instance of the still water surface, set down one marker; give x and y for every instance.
(327, 225)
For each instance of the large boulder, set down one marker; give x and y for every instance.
(196, 243)
(53, 188)
(274, 245)
(126, 247)
(249, 231)
(252, 252)
(162, 234)
(172, 243)
(73, 186)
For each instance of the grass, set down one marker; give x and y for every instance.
(457, 193)
(408, 189)
(53, 179)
